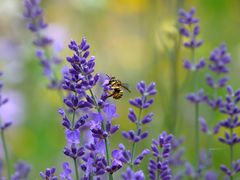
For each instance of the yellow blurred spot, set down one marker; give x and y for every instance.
(166, 35)
(128, 6)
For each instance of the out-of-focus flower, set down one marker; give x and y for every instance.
(14, 109)
(66, 174)
(166, 35)
(49, 174)
(197, 97)
(230, 138)
(190, 28)
(22, 171)
(36, 23)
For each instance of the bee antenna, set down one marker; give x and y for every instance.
(108, 76)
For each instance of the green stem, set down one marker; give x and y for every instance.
(231, 155)
(5, 154)
(75, 160)
(197, 134)
(73, 118)
(196, 113)
(76, 168)
(158, 175)
(134, 144)
(5, 148)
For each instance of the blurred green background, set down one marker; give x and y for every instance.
(132, 40)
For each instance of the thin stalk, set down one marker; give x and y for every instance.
(5, 148)
(5, 154)
(158, 173)
(134, 144)
(196, 114)
(73, 118)
(74, 159)
(106, 140)
(231, 155)
(174, 97)
(197, 134)
(76, 168)
(210, 137)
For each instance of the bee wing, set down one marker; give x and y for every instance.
(126, 86)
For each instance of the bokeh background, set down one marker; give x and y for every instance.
(133, 40)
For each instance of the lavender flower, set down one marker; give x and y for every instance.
(141, 103)
(36, 24)
(234, 169)
(131, 175)
(22, 171)
(187, 19)
(66, 174)
(190, 29)
(161, 149)
(219, 59)
(124, 156)
(230, 138)
(49, 174)
(197, 97)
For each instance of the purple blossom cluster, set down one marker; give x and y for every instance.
(190, 29)
(219, 59)
(161, 149)
(230, 124)
(36, 24)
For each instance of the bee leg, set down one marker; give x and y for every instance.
(110, 94)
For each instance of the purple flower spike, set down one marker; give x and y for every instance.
(187, 17)
(74, 151)
(204, 126)
(131, 175)
(230, 138)
(161, 150)
(140, 157)
(36, 24)
(219, 59)
(66, 174)
(197, 97)
(73, 136)
(22, 171)
(147, 118)
(210, 175)
(49, 174)
(137, 136)
(190, 29)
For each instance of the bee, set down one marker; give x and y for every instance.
(116, 88)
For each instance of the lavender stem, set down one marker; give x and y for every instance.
(76, 168)
(197, 134)
(75, 160)
(134, 144)
(196, 115)
(5, 148)
(231, 155)
(5, 153)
